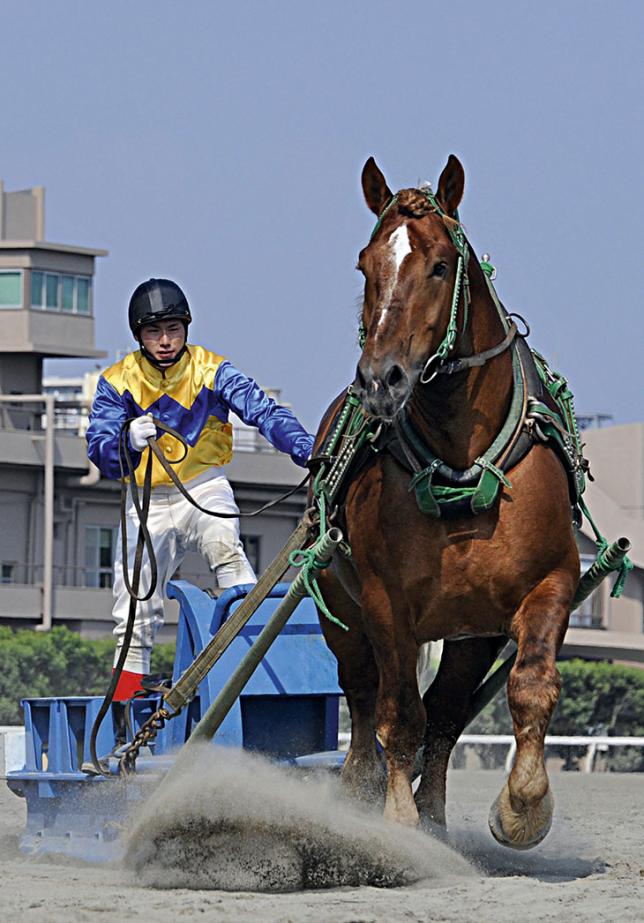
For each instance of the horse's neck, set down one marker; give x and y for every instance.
(460, 415)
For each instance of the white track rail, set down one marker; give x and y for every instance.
(593, 745)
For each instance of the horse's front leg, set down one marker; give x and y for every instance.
(363, 773)
(521, 816)
(400, 715)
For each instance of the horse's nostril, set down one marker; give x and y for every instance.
(394, 376)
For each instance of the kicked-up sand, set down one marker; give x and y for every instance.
(241, 839)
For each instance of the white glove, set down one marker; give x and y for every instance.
(140, 431)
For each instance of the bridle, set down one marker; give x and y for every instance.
(439, 363)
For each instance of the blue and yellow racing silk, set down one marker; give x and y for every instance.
(193, 397)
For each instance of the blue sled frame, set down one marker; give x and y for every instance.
(288, 711)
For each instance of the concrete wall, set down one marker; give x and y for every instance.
(616, 455)
(22, 214)
(51, 333)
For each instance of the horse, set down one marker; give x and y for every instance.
(472, 580)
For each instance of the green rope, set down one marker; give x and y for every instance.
(622, 574)
(305, 558)
(602, 545)
(488, 268)
(362, 334)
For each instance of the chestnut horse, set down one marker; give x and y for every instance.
(472, 580)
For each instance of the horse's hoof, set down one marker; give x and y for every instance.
(524, 830)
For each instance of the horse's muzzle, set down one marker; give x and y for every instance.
(382, 388)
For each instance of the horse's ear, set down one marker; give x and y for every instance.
(451, 185)
(376, 191)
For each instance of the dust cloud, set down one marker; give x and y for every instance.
(236, 822)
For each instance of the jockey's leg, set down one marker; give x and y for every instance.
(522, 814)
(169, 553)
(447, 703)
(217, 539)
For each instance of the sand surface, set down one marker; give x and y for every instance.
(269, 832)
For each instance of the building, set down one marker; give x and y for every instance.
(604, 626)
(60, 517)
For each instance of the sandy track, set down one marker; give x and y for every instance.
(590, 867)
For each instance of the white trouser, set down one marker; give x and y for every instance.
(176, 527)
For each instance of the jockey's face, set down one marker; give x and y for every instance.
(163, 339)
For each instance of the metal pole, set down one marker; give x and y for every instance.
(214, 716)
(48, 515)
(48, 519)
(186, 686)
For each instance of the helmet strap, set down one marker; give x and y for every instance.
(168, 363)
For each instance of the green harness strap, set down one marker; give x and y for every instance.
(489, 478)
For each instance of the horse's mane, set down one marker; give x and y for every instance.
(415, 204)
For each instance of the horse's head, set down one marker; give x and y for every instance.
(410, 269)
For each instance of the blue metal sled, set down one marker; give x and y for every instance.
(288, 711)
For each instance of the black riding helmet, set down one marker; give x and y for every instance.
(153, 301)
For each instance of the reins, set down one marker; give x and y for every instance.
(144, 543)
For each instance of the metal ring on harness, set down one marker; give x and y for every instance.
(525, 324)
(425, 377)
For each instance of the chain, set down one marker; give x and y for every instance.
(143, 737)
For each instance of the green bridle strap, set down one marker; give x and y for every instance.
(461, 283)
(389, 205)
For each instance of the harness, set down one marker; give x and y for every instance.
(541, 412)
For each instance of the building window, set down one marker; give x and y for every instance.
(6, 572)
(589, 614)
(100, 542)
(37, 285)
(83, 289)
(252, 546)
(68, 285)
(53, 291)
(11, 288)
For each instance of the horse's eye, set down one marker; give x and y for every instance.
(440, 270)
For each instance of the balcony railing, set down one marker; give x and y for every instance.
(71, 418)
(18, 573)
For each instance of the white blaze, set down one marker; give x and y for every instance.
(399, 247)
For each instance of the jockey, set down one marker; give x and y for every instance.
(191, 390)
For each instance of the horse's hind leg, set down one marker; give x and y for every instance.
(522, 814)
(447, 703)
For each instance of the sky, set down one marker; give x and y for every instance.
(221, 145)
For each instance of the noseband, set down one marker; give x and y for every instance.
(437, 363)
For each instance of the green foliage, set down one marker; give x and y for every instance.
(596, 698)
(58, 662)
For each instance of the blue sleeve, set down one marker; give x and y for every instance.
(105, 420)
(277, 424)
